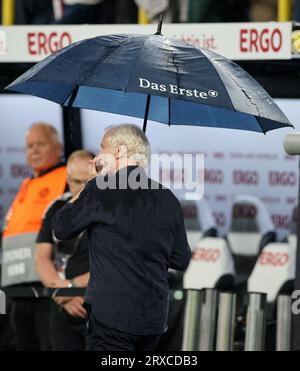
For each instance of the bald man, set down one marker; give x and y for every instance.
(30, 317)
(67, 319)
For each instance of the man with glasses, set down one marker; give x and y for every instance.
(65, 264)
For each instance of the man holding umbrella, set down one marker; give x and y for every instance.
(136, 232)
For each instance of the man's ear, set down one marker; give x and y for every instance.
(121, 151)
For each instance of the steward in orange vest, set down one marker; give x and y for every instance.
(29, 317)
(24, 218)
(23, 223)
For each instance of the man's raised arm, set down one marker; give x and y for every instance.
(77, 215)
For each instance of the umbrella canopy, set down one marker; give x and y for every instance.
(165, 80)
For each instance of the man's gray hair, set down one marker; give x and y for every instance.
(138, 146)
(48, 128)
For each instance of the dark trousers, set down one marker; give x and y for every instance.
(67, 333)
(102, 338)
(30, 323)
(6, 332)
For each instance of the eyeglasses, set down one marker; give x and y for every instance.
(79, 182)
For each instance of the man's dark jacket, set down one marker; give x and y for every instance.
(135, 235)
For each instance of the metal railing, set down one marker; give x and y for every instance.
(284, 322)
(256, 322)
(210, 321)
(226, 322)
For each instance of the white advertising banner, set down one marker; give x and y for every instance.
(237, 41)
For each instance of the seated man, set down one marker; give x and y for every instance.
(70, 267)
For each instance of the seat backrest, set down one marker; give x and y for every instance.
(250, 222)
(275, 267)
(211, 265)
(199, 221)
(251, 229)
(244, 244)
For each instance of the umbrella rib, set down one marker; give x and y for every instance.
(211, 60)
(136, 62)
(245, 93)
(202, 53)
(243, 90)
(262, 129)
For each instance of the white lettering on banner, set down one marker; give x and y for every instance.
(206, 255)
(174, 89)
(16, 269)
(264, 41)
(3, 48)
(172, 171)
(17, 254)
(273, 259)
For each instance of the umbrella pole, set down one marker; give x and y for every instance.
(160, 23)
(146, 113)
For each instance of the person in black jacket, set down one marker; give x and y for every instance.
(66, 264)
(136, 233)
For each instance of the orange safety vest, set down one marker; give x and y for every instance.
(33, 198)
(23, 223)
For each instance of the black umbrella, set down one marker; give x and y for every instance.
(153, 77)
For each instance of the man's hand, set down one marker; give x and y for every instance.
(92, 169)
(59, 283)
(74, 307)
(61, 300)
(92, 174)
